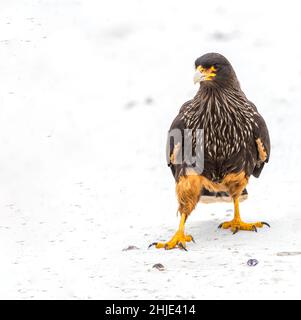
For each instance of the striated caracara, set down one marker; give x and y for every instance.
(216, 142)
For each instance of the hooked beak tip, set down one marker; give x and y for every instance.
(198, 77)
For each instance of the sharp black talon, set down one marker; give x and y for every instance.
(265, 223)
(236, 230)
(152, 244)
(180, 244)
(220, 225)
(254, 228)
(192, 239)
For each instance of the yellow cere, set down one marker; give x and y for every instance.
(208, 73)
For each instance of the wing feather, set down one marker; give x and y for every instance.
(262, 140)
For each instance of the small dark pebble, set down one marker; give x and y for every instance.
(159, 266)
(130, 248)
(252, 262)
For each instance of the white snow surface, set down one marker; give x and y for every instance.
(88, 92)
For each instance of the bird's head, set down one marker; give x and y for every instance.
(212, 69)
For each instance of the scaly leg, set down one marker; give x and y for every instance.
(188, 191)
(237, 224)
(179, 239)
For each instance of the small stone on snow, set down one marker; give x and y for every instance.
(159, 266)
(252, 262)
(130, 248)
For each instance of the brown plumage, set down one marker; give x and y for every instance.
(235, 144)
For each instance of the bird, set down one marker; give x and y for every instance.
(215, 144)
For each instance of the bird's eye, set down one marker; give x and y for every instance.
(216, 66)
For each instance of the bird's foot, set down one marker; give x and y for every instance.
(236, 225)
(178, 240)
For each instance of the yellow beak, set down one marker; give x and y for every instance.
(202, 74)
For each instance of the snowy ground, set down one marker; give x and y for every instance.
(88, 91)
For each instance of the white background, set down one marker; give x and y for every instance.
(88, 90)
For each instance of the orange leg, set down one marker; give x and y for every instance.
(237, 224)
(178, 240)
(188, 192)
